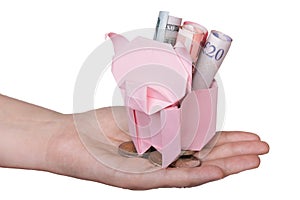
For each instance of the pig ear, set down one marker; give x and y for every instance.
(118, 41)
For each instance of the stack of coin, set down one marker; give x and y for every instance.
(186, 162)
(127, 149)
(186, 158)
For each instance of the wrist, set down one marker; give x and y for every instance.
(58, 144)
(67, 155)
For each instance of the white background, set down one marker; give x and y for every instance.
(43, 45)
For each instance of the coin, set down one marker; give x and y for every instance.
(127, 149)
(186, 162)
(187, 153)
(156, 158)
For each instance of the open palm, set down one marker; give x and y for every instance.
(88, 149)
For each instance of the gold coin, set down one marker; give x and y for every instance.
(156, 158)
(186, 162)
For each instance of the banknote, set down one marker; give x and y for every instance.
(161, 25)
(210, 59)
(193, 36)
(172, 28)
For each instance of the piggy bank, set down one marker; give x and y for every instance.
(155, 81)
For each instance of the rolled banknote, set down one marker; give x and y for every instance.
(172, 29)
(161, 25)
(210, 59)
(193, 36)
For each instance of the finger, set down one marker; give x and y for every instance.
(233, 149)
(223, 137)
(170, 177)
(236, 164)
(191, 177)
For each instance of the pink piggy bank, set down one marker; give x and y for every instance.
(155, 80)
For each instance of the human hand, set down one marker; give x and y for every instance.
(87, 149)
